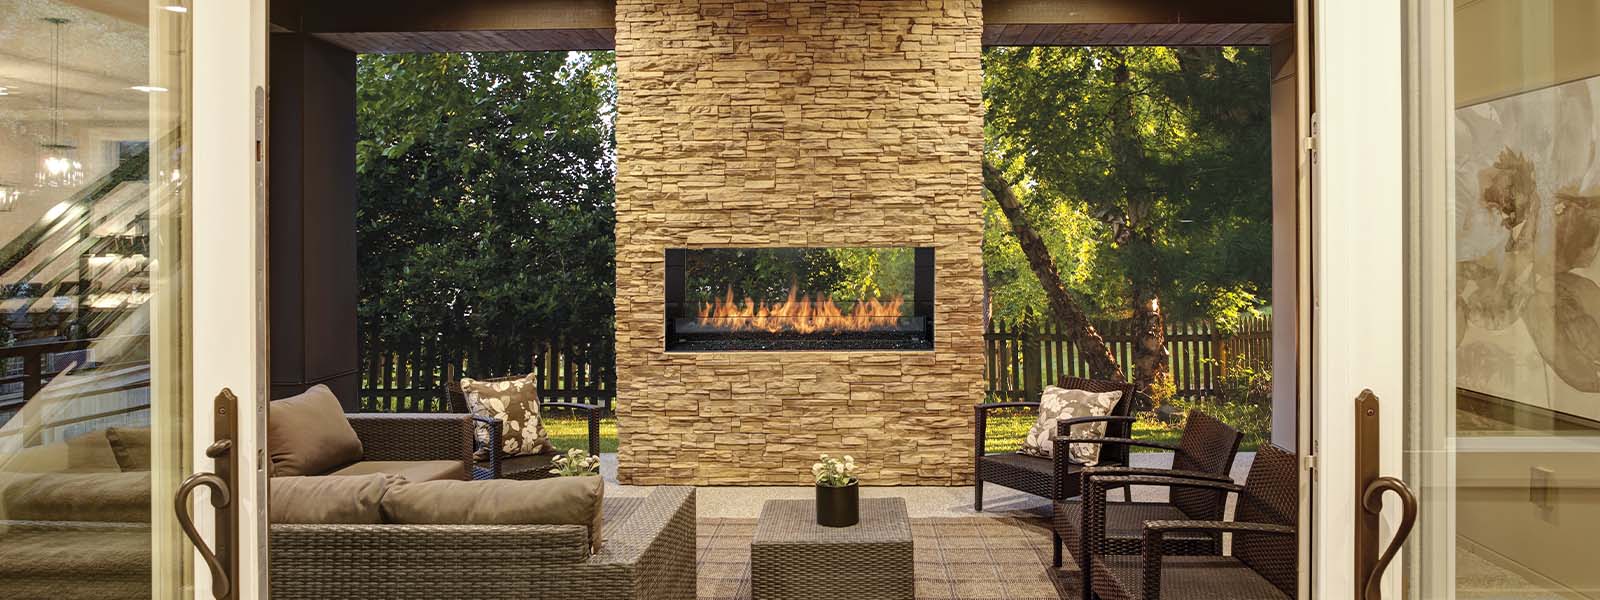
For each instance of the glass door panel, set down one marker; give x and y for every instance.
(1503, 427)
(96, 298)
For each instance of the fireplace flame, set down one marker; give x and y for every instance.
(799, 314)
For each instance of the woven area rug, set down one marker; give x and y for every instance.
(974, 558)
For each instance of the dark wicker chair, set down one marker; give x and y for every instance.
(1264, 562)
(498, 465)
(1205, 451)
(1041, 476)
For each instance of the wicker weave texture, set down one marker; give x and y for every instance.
(389, 436)
(1040, 476)
(647, 553)
(791, 557)
(1207, 446)
(1265, 557)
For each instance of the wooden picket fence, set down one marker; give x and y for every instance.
(411, 378)
(1021, 358)
(1026, 355)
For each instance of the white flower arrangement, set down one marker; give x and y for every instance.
(576, 463)
(834, 472)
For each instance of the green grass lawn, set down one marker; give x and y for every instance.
(571, 432)
(1005, 433)
(1007, 430)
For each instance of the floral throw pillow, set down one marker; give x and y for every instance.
(1057, 404)
(516, 404)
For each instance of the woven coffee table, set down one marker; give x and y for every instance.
(792, 556)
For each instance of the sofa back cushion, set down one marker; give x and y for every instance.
(309, 435)
(556, 501)
(131, 447)
(328, 499)
(114, 497)
(91, 453)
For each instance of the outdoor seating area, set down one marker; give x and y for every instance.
(765, 542)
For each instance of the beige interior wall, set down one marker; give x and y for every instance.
(1504, 48)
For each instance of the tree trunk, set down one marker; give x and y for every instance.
(1151, 362)
(1091, 346)
(1132, 168)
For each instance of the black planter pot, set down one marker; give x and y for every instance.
(838, 506)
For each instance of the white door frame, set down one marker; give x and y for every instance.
(228, 264)
(1358, 269)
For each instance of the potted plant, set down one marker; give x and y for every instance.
(838, 492)
(576, 463)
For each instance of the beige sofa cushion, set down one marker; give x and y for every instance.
(410, 470)
(557, 501)
(49, 458)
(328, 499)
(1057, 404)
(516, 404)
(118, 497)
(309, 435)
(131, 447)
(91, 453)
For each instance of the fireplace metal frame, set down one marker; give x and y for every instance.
(675, 304)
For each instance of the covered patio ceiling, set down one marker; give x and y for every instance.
(378, 26)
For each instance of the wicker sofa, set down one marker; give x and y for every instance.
(648, 552)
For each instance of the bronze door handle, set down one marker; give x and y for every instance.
(1372, 502)
(221, 584)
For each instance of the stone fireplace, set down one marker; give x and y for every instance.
(789, 127)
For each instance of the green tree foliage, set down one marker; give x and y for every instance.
(1142, 166)
(486, 209)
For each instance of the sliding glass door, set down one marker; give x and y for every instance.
(107, 221)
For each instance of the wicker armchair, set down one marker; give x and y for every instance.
(497, 465)
(1264, 563)
(1205, 451)
(648, 552)
(1040, 476)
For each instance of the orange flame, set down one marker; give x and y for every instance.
(799, 314)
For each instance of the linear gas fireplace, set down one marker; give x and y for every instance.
(799, 299)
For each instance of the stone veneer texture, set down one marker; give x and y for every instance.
(798, 123)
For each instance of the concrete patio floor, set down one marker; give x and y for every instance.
(738, 502)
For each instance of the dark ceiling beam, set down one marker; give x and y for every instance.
(398, 16)
(467, 25)
(1146, 12)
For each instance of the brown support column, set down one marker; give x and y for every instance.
(312, 204)
(1285, 166)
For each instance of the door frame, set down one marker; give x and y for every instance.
(1358, 257)
(228, 265)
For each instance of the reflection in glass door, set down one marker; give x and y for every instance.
(94, 433)
(1503, 427)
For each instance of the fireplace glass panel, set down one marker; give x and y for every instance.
(799, 299)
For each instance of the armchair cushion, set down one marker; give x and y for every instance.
(556, 501)
(131, 447)
(309, 435)
(515, 404)
(410, 470)
(1057, 404)
(328, 499)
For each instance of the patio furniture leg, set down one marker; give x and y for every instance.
(977, 496)
(1055, 557)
